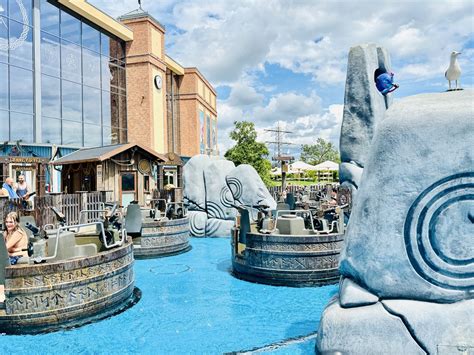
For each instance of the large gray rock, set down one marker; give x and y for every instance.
(409, 241)
(410, 224)
(363, 330)
(364, 108)
(398, 327)
(193, 181)
(218, 205)
(212, 189)
(247, 187)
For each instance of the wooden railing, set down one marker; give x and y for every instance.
(69, 204)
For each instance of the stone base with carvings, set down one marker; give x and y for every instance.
(287, 260)
(162, 238)
(48, 297)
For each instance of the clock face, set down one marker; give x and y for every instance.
(158, 82)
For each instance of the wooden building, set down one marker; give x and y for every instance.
(131, 171)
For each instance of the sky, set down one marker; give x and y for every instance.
(283, 62)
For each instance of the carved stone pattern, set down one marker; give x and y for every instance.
(313, 263)
(423, 240)
(67, 297)
(164, 241)
(297, 247)
(68, 276)
(165, 230)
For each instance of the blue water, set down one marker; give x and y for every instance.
(191, 304)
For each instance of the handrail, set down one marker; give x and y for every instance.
(82, 212)
(77, 227)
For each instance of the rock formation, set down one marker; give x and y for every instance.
(408, 264)
(364, 108)
(212, 189)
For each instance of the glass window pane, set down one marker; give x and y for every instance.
(50, 96)
(3, 86)
(72, 133)
(115, 109)
(70, 28)
(50, 54)
(51, 130)
(128, 182)
(21, 10)
(123, 112)
(90, 38)
(104, 45)
(21, 45)
(105, 73)
(3, 39)
(123, 136)
(72, 101)
(21, 90)
(49, 18)
(4, 7)
(4, 121)
(91, 105)
(116, 49)
(71, 61)
(92, 135)
(106, 114)
(91, 64)
(107, 135)
(21, 127)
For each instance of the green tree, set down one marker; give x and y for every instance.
(248, 151)
(319, 152)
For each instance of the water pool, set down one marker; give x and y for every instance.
(191, 304)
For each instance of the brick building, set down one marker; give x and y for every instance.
(170, 108)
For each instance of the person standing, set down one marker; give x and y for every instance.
(22, 189)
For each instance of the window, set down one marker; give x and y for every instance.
(128, 181)
(21, 90)
(3, 88)
(92, 105)
(50, 54)
(21, 44)
(50, 96)
(51, 130)
(21, 127)
(72, 101)
(92, 135)
(49, 18)
(70, 28)
(72, 133)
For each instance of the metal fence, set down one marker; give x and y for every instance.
(68, 204)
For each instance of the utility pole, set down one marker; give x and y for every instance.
(283, 159)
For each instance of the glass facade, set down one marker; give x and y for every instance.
(80, 93)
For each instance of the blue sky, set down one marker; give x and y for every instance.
(285, 61)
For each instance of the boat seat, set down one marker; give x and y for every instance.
(133, 219)
(282, 206)
(67, 247)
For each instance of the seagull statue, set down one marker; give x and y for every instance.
(454, 70)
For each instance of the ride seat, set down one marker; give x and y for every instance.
(133, 219)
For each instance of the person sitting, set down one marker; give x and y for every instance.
(15, 237)
(7, 188)
(384, 81)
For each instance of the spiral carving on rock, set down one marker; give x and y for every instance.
(439, 232)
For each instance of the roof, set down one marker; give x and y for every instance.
(100, 154)
(327, 165)
(301, 165)
(139, 13)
